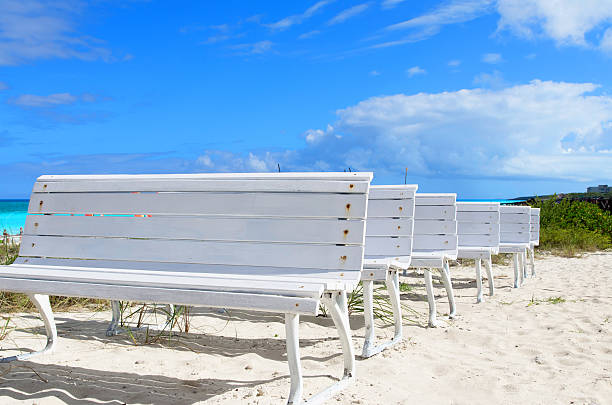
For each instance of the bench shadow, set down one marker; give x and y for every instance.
(27, 381)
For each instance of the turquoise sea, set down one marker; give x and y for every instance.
(13, 213)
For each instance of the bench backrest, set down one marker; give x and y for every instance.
(309, 224)
(435, 223)
(390, 222)
(535, 226)
(515, 224)
(478, 224)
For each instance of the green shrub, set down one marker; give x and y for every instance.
(570, 227)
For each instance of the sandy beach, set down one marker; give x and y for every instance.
(519, 347)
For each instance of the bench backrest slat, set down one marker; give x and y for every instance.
(435, 226)
(287, 220)
(535, 226)
(390, 222)
(482, 228)
(514, 224)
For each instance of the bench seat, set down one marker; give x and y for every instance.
(476, 252)
(432, 258)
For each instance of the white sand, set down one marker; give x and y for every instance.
(499, 352)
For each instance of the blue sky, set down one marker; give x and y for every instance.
(480, 97)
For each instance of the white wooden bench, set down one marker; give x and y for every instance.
(280, 242)
(534, 236)
(514, 237)
(478, 236)
(388, 250)
(435, 243)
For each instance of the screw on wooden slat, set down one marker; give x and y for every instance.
(346, 232)
(33, 244)
(44, 186)
(35, 223)
(297, 305)
(343, 258)
(341, 274)
(40, 204)
(351, 185)
(348, 206)
(398, 246)
(371, 274)
(401, 208)
(399, 227)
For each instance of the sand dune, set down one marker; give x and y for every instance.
(517, 347)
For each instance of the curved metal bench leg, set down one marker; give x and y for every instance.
(433, 323)
(478, 282)
(489, 269)
(446, 279)
(44, 307)
(112, 329)
(392, 283)
(532, 251)
(515, 259)
(336, 303)
(292, 323)
(524, 259)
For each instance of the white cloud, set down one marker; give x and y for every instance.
(256, 48)
(309, 34)
(3, 86)
(452, 12)
(493, 80)
(391, 3)
(32, 29)
(454, 62)
(415, 70)
(31, 100)
(606, 41)
(537, 130)
(492, 58)
(287, 22)
(348, 13)
(567, 22)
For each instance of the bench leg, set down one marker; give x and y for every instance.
(392, 283)
(524, 259)
(515, 258)
(44, 307)
(336, 303)
(433, 323)
(478, 281)
(489, 269)
(446, 279)
(532, 259)
(292, 323)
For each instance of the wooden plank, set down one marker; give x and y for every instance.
(534, 236)
(434, 242)
(389, 227)
(433, 227)
(512, 237)
(465, 216)
(197, 184)
(478, 240)
(189, 251)
(535, 227)
(390, 208)
(483, 253)
(514, 218)
(393, 192)
(259, 302)
(477, 206)
(475, 228)
(446, 212)
(174, 280)
(291, 205)
(279, 273)
(435, 199)
(510, 209)
(508, 227)
(387, 246)
(302, 230)
(340, 176)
